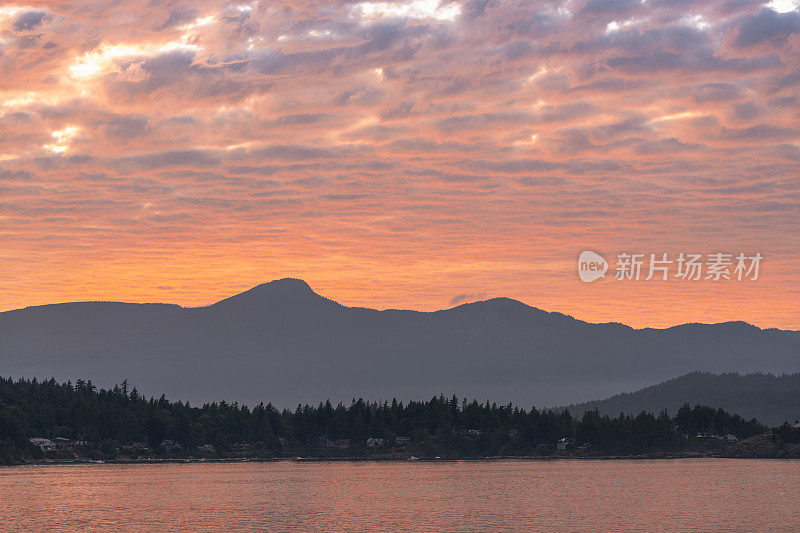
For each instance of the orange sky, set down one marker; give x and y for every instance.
(401, 154)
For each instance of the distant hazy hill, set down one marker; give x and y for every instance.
(283, 343)
(771, 399)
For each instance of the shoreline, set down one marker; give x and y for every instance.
(222, 460)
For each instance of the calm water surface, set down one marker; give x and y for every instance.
(680, 495)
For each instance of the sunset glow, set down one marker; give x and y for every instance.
(414, 154)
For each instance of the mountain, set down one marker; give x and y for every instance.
(282, 342)
(769, 398)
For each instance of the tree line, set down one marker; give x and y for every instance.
(440, 426)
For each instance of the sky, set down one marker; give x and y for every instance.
(402, 154)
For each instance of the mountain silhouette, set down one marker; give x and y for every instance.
(281, 342)
(770, 399)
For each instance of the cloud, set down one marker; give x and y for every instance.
(767, 27)
(397, 152)
(29, 20)
(466, 297)
(182, 158)
(178, 17)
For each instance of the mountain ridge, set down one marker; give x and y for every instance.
(306, 290)
(283, 342)
(769, 398)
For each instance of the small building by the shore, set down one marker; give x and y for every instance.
(402, 441)
(565, 443)
(171, 446)
(46, 445)
(62, 443)
(208, 448)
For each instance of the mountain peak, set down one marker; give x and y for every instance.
(290, 285)
(278, 291)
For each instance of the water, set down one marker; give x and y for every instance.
(684, 495)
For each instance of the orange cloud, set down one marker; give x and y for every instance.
(400, 154)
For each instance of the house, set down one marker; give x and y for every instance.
(208, 448)
(136, 447)
(513, 433)
(341, 444)
(402, 441)
(564, 443)
(240, 447)
(46, 445)
(374, 442)
(729, 438)
(474, 432)
(706, 436)
(171, 446)
(62, 443)
(796, 424)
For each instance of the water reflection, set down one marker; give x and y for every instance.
(686, 495)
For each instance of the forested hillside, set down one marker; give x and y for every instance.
(106, 423)
(769, 398)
